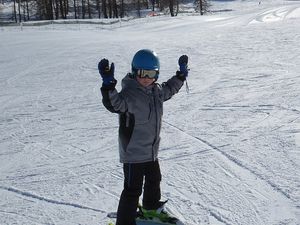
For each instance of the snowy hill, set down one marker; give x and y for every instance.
(230, 147)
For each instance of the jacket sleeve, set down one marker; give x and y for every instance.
(171, 87)
(112, 100)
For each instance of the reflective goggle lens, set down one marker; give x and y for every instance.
(148, 73)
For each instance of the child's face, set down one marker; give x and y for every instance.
(145, 81)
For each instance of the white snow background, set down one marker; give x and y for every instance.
(230, 147)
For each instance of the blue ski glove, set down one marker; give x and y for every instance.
(183, 67)
(107, 72)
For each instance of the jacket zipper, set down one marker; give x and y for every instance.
(156, 124)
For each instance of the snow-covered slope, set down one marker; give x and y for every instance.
(230, 147)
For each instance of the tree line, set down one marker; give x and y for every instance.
(25, 10)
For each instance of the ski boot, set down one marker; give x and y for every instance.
(158, 214)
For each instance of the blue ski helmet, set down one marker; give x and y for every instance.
(145, 59)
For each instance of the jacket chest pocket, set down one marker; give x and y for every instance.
(142, 111)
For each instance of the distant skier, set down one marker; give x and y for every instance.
(140, 108)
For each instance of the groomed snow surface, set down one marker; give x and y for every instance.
(230, 147)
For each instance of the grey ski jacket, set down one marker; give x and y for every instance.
(140, 112)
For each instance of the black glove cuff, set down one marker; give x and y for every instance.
(110, 86)
(180, 76)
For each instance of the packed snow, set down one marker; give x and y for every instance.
(230, 145)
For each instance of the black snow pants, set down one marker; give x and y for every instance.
(134, 174)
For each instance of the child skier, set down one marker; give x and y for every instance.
(140, 109)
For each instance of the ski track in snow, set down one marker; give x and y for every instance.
(230, 148)
(245, 175)
(33, 196)
(234, 160)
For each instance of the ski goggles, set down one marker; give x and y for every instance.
(148, 73)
